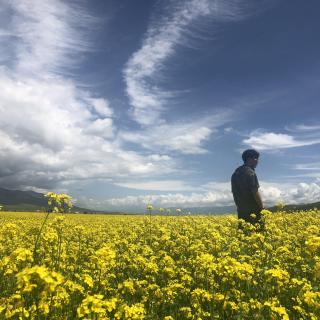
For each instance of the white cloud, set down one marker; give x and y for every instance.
(158, 185)
(51, 131)
(186, 137)
(216, 194)
(309, 170)
(100, 127)
(290, 193)
(273, 141)
(102, 107)
(219, 194)
(304, 127)
(314, 166)
(44, 35)
(305, 192)
(228, 129)
(164, 34)
(171, 200)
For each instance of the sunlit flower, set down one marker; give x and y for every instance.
(149, 207)
(199, 267)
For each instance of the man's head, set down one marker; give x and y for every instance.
(250, 157)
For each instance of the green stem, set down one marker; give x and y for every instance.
(59, 251)
(150, 227)
(38, 237)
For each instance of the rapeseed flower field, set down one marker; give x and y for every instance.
(159, 267)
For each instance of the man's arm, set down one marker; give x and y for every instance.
(254, 187)
(258, 199)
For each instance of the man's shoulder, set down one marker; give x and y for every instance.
(244, 170)
(249, 170)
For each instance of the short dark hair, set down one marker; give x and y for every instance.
(250, 153)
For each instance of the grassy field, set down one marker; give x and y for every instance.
(137, 267)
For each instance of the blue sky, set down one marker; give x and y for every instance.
(123, 103)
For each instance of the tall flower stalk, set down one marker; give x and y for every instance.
(149, 209)
(35, 249)
(56, 203)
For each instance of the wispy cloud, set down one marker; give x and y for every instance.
(164, 34)
(186, 137)
(44, 35)
(314, 166)
(304, 128)
(157, 185)
(275, 141)
(308, 170)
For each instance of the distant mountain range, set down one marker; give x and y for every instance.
(206, 210)
(294, 207)
(232, 209)
(16, 200)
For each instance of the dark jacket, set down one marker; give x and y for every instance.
(245, 184)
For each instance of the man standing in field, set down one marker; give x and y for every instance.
(245, 185)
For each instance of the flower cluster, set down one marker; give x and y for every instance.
(59, 202)
(179, 267)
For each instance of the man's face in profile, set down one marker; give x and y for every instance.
(252, 162)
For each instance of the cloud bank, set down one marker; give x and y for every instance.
(217, 195)
(54, 132)
(51, 131)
